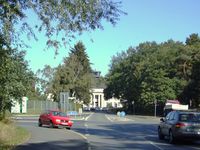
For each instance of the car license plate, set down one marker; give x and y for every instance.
(64, 123)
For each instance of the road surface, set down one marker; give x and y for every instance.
(45, 138)
(101, 131)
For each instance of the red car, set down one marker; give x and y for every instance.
(55, 119)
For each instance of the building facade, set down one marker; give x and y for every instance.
(97, 100)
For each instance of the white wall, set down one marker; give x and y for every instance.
(16, 106)
(97, 99)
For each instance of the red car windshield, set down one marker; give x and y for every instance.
(190, 117)
(58, 113)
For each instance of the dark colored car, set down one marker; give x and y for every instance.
(180, 125)
(55, 119)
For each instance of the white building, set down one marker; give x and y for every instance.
(97, 100)
(19, 107)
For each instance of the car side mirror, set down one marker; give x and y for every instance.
(162, 119)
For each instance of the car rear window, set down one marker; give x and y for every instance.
(57, 113)
(190, 117)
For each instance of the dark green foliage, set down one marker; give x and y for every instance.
(154, 71)
(74, 75)
(193, 39)
(15, 77)
(57, 20)
(82, 58)
(191, 95)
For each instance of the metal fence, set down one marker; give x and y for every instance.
(36, 106)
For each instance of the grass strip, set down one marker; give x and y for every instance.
(12, 135)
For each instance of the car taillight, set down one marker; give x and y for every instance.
(179, 125)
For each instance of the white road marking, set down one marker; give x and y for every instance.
(89, 116)
(79, 134)
(117, 118)
(87, 134)
(83, 136)
(152, 143)
(109, 118)
(128, 119)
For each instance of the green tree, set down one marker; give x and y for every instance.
(190, 94)
(149, 72)
(56, 18)
(120, 78)
(15, 77)
(74, 75)
(45, 77)
(193, 39)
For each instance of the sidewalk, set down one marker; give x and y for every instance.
(36, 116)
(140, 117)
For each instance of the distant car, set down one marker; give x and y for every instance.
(105, 109)
(97, 108)
(92, 109)
(180, 125)
(55, 119)
(86, 108)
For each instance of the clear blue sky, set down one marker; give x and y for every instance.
(147, 20)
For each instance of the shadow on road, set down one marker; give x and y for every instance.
(54, 145)
(139, 134)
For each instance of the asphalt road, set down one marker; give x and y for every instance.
(101, 131)
(45, 138)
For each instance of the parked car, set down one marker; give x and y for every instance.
(180, 125)
(97, 108)
(86, 108)
(105, 109)
(55, 119)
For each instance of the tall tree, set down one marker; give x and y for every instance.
(152, 72)
(82, 57)
(55, 17)
(15, 77)
(193, 39)
(190, 94)
(45, 77)
(120, 79)
(74, 75)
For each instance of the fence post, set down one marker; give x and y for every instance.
(34, 106)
